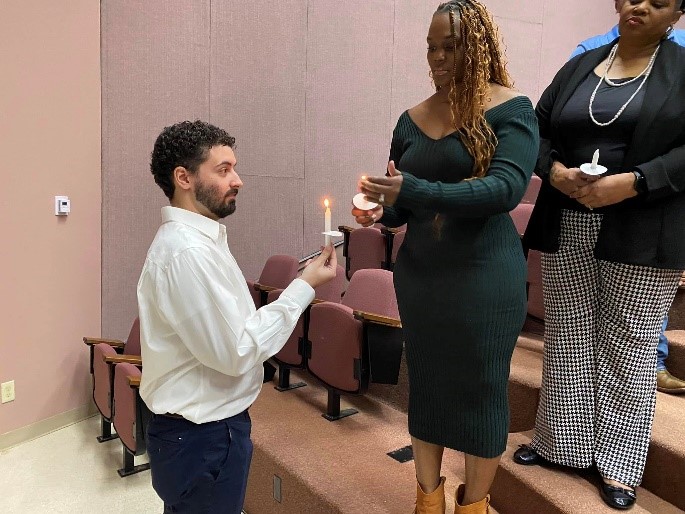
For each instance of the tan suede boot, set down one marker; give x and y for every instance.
(480, 507)
(433, 503)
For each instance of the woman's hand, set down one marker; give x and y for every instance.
(606, 191)
(367, 218)
(568, 180)
(383, 190)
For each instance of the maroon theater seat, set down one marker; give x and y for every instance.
(130, 416)
(532, 191)
(357, 341)
(103, 377)
(396, 243)
(394, 237)
(521, 215)
(536, 306)
(292, 355)
(277, 273)
(363, 248)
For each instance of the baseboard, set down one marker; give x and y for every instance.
(45, 426)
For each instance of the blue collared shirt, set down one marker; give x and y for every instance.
(677, 36)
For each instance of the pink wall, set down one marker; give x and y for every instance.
(312, 101)
(311, 90)
(50, 145)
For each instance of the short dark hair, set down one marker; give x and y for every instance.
(184, 144)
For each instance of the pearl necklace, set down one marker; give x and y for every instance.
(604, 78)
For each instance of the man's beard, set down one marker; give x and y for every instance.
(211, 198)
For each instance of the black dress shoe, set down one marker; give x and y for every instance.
(617, 497)
(528, 457)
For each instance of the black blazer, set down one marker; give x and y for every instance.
(647, 230)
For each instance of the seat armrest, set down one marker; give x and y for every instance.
(389, 230)
(345, 229)
(134, 382)
(263, 288)
(114, 343)
(377, 319)
(131, 359)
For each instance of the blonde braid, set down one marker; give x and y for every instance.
(483, 63)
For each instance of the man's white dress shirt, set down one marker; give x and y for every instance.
(202, 340)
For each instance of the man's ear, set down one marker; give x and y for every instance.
(181, 178)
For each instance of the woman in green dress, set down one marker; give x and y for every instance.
(466, 155)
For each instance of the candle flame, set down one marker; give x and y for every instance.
(326, 203)
(363, 177)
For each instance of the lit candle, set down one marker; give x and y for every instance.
(595, 159)
(327, 222)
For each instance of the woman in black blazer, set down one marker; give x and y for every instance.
(613, 247)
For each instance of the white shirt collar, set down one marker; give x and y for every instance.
(207, 226)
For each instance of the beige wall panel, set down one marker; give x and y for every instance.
(563, 29)
(155, 60)
(524, 66)
(410, 81)
(530, 11)
(257, 86)
(348, 131)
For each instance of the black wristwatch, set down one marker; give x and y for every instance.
(640, 184)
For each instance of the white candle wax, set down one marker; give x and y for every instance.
(327, 222)
(595, 159)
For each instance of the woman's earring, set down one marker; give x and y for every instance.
(669, 31)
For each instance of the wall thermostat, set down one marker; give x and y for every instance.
(62, 206)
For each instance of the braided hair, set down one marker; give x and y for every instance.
(483, 63)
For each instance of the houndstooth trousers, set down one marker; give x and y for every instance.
(602, 325)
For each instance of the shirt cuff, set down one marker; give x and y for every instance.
(411, 191)
(300, 292)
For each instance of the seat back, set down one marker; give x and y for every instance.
(521, 215)
(372, 290)
(133, 341)
(102, 380)
(124, 408)
(396, 243)
(336, 343)
(279, 271)
(332, 290)
(531, 194)
(291, 354)
(337, 356)
(536, 305)
(254, 293)
(366, 250)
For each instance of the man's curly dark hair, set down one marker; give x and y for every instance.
(184, 144)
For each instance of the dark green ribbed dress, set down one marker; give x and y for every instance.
(461, 281)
